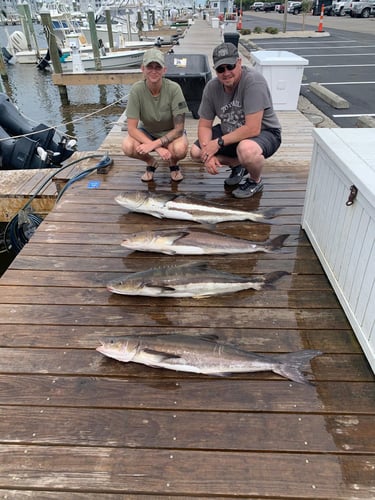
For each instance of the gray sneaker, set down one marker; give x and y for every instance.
(248, 189)
(236, 176)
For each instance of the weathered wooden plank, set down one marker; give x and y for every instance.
(87, 362)
(158, 314)
(243, 266)
(119, 77)
(166, 429)
(193, 393)
(184, 472)
(100, 279)
(260, 232)
(302, 251)
(98, 296)
(254, 339)
(46, 494)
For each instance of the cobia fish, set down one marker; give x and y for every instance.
(202, 354)
(195, 241)
(182, 207)
(195, 280)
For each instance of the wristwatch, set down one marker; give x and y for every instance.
(220, 142)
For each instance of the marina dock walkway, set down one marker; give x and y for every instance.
(76, 425)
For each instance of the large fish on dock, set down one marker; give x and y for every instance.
(195, 241)
(202, 354)
(195, 280)
(182, 207)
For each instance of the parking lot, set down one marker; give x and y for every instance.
(343, 62)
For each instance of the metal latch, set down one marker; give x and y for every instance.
(352, 195)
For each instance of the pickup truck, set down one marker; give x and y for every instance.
(362, 8)
(341, 7)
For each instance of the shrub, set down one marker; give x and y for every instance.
(245, 32)
(271, 30)
(257, 29)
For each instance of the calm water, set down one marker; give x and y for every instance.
(36, 97)
(33, 92)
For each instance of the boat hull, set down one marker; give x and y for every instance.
(124, 59)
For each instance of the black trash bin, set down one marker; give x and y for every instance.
(232, 38)
(191, 72)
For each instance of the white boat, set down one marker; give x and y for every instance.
(17, 50)
(86, 61)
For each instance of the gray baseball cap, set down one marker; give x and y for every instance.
(153, 55)
(225, 53)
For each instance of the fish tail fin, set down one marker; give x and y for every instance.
(290, 365)
(268, 214)
(276, 243)
(270, 278)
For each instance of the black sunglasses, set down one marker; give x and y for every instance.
(223, 67)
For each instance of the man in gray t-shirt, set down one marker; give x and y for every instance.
(249, 130)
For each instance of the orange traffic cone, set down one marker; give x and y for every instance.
(320, 27)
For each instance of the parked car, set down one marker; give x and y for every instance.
(257, 6)
(294, 7)
(268, 7)
(362, 8)
(280, 8)
(341, 7)
(317, 8)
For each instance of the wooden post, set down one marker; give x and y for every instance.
(29, 27)
(94, 40)
(53, 50)
(3, 70)
(109, 27)
(25, 27)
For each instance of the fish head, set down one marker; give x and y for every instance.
(132, 199)
(120, 348)
(125, 286)
(138, 241)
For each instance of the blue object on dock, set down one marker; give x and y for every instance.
(93, 184)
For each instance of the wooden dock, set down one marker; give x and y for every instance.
(76, 425)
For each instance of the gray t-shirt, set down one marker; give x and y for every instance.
(156, 113)
(251, 95)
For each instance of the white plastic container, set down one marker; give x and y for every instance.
(215, 22)
(230, 26)
(283, 71)
(339, 219)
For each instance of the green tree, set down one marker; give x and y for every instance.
(306, 8)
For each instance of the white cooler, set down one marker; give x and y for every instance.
(283, 71)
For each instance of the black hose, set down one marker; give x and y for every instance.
(18, 233)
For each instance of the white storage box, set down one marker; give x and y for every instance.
(215, 22)
(341, 230)
(283, 71)
(230, 26)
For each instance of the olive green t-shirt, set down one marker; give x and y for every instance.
(156, 113)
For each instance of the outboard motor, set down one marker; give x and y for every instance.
(14, 123)
(22, 153)
(44, 63)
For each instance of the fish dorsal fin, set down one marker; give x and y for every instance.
(198, 266)
(177, 234)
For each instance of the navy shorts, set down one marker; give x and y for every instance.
(269, 141)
